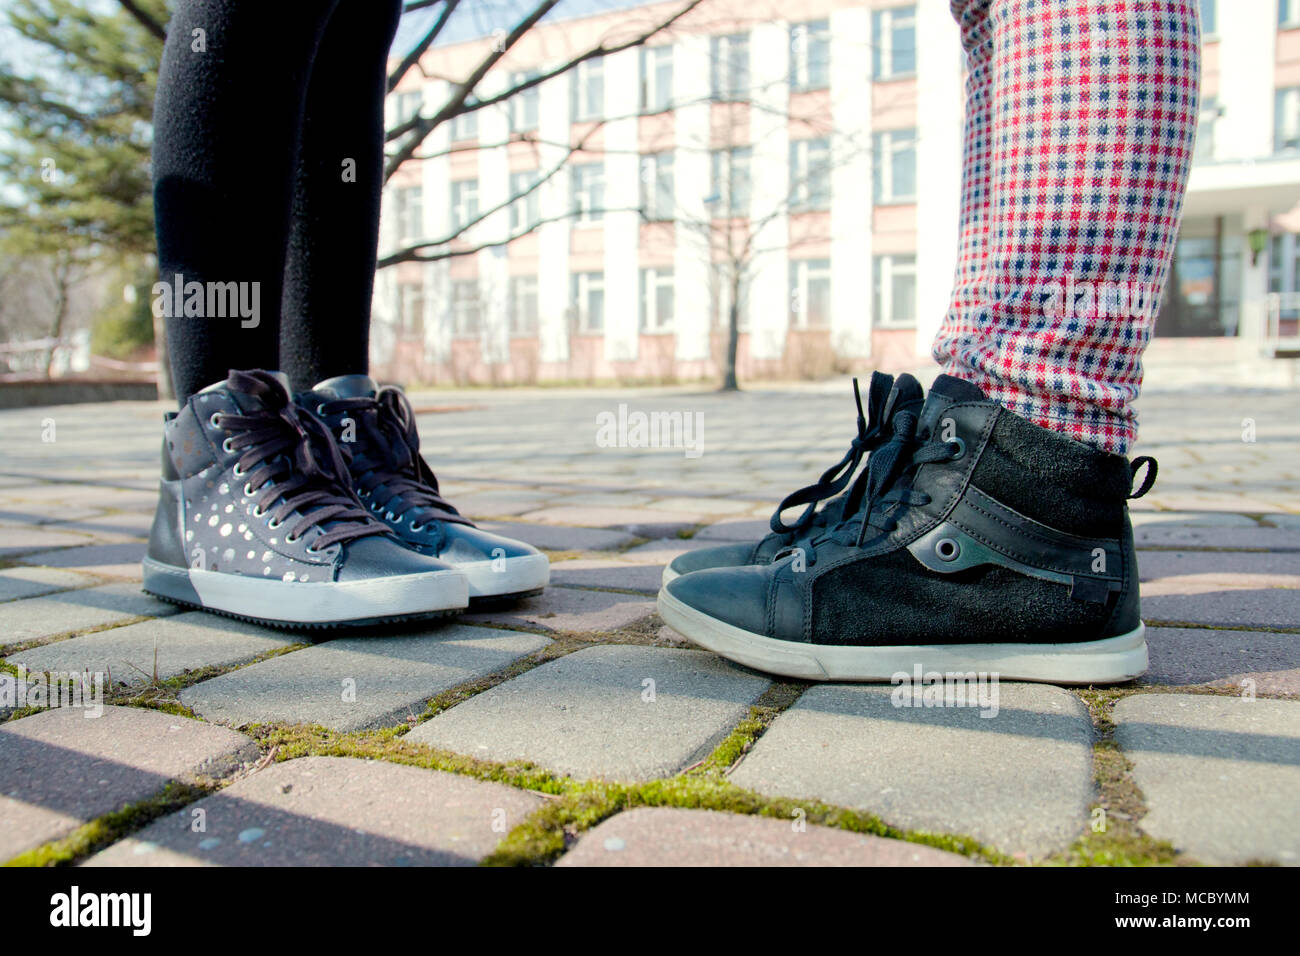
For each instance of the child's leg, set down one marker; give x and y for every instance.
(1085, 115)
(226, 121)
(329, 277)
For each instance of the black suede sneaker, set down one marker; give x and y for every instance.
(396, 484)
(885, 396)
(984, 543)
(256, 520)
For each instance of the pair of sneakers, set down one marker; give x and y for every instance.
(973, 542)
(316, 510)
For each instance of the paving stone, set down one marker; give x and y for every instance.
(355, 683)
(604, 573)
(1200, 519)
(668, 836)
(1220, 774)
(52, 614)
(18, 582)
(1020, 781)
(41, 515)
(1178, 535)
(111, 528)
(1235, 568)
(570, 609)
(1225, 658)
(176, 645)
(501, 502)
(593, 714)
(20, 540)
(638, 522)
(65, 767)
(662, 550)
(334, 811)
(114, 560)
(704, 506)
(1284, 520)
(728, 531)
(559, 538)
(13, 694)
(1184, 601)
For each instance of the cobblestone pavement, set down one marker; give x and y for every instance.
(576, 728)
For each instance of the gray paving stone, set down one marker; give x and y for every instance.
(64, 768)
(355, 683)
(1235, 568)
(702, 506)
(1187, 602)
(560, 538)
(135, 653)
(42, 514)
(21, 540)
(1284, 520)
(741, 530)
(595, 713)
(570, 609)
(642, 523)
(13, 694)
(668, 836)
(1225, 658)
(1177, 535)
(333, 811)
(662, 550)
(1202, 519)
(1020, 781)
(606, 573)
(120, 560)
(52, 614)
(1220, 774)
(17, 583)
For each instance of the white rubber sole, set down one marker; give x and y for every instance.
(400, 595)
(669, 575)
(1106, 661)
(528, 572)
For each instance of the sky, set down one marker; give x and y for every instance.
(478, 18)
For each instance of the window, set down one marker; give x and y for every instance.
(810, 175)
(658, 199)
(656, 78)
(522, 305)
(410, 212)
(410, 308)
(656, 300)
(810, 55)
(893, 166)
(524, 107)
(587, 182)
(525, 211)
(587, 94)
(464, 202)
(1210, 18)
(1286, 119)
(1288, 14)
(409, 105)
(464, 126)
(588, 295)
(893, 299)
(810, 293)
(1209, 115)
(731, 185)
(729, 62)
(893, 32)
(466, 307)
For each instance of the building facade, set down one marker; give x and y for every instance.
(805, 171)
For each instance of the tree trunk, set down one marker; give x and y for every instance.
(729, 383)
(61, 270)
(166, 391)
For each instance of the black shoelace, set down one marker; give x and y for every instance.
(280, 460)
(886, 484)
(388, 457)
(872, 426)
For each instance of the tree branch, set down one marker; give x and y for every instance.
(426, 41)
(144, 19)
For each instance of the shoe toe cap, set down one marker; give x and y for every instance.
(723, 556)
(381, 556)
(736, 596)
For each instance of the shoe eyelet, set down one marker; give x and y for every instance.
(946, 549)
(291, 539)
(391, 517)
(237, 471)
(257, 511)
(273, 524)
(215, 420)
(398, 520)
(416, 527)
(248, 490)
(320, 410)
(228, 446)
(959, 449)
(376, 507)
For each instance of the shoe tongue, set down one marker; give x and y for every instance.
(347, 386)
(246, 401)
(908, 393)
(947, 390)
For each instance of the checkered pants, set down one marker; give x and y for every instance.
(1080, 118)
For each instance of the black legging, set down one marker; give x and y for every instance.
(251, 137)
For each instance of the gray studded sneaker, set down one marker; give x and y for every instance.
(984, 543)
(256, 519)
(377, 425)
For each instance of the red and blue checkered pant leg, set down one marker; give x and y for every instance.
(1080, 119)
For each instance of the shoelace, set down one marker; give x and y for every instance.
(389, 458)
(885, 484)
(871, 432)
(279, 447)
